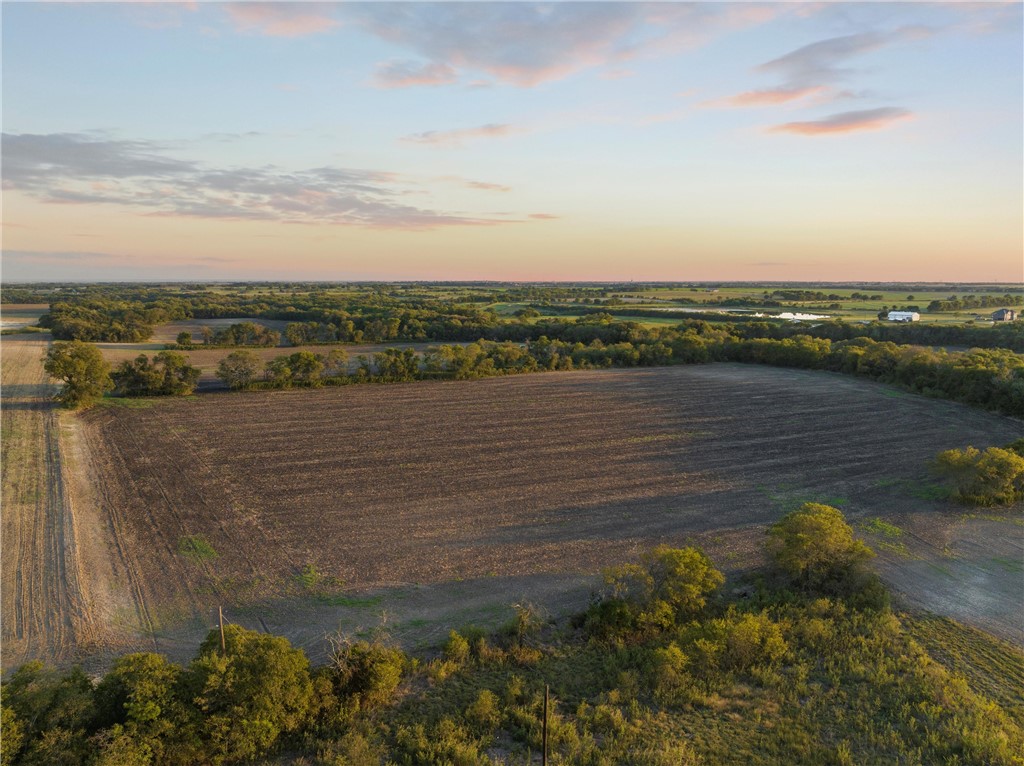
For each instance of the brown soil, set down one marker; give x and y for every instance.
(444, 502)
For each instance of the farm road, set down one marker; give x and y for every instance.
(45, 609)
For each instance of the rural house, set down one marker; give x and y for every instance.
(1004, 315)
(904, 316)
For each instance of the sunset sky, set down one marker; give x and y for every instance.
(513, 141)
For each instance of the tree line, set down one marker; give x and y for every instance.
(989, 378)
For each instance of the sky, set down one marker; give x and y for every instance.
(516, 141)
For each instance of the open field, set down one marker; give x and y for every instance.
(442, 503)
(14, 315)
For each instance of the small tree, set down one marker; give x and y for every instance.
(239, 369)
(670, 584)
(814, 545)
(168, 374)
(992, 477)
(82, 369)
(184, 339)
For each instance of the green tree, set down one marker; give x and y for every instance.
(248, 697)
(137, 700)
(814, 545)
(168, 374)
(82, 369)
(992, 477)
(239, 369)
(184, 339)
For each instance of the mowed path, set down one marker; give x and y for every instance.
(45, 608)
(505, 484)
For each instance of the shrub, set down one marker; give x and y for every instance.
(367, 673)
(669, 585)
(992, 477)
(815, 547)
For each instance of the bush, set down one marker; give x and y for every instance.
(366, 673)
(992, 477)
(669, 585)
(815, 548)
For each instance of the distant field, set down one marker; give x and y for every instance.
(21, 314)
(444, 502)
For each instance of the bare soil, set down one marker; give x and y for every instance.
(442, 503)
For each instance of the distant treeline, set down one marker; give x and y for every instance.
(390, 313)
(952, 303)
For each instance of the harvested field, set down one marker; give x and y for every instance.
(13, 315)
(445, 501)
(52, 548)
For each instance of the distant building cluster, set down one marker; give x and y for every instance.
(1004, 315)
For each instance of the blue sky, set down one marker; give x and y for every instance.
(798, 141)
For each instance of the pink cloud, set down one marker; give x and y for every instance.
(845, 122)
(455, 138)
(281, 19)
(405, 74)
(544, 216)
(767, 96)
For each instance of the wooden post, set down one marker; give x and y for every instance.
(544, 728)
(220, 619)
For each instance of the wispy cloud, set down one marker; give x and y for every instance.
(526, 44)
(457, 138)
(767, 96)
(81, 169)
(282, 19)
(814, 70)
(845, 122)
(405, 74)
(469, 183)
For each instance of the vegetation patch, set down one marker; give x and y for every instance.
(664, 668)
(879, 526)
(197, 548)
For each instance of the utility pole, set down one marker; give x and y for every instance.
(220, 620)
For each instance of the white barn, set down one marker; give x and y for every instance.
(904, 316)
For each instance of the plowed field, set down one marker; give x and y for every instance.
(443, 501)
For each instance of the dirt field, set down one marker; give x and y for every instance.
(52, 548)
(443, 503)
(14, 315)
